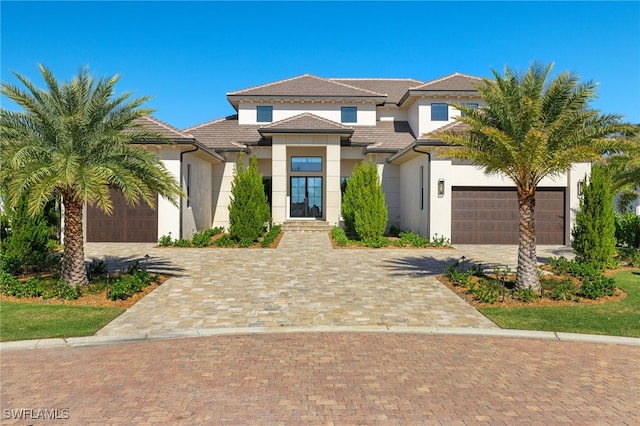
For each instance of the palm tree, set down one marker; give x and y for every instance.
(532, 127)
(625, 167)
(72, 140)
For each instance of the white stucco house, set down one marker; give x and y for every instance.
(308, 132)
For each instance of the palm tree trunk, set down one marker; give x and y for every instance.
(527, 274)
(73, 269)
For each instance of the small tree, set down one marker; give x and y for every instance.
(25, 244)
(249, 208)
(594, 234)
(363, 207)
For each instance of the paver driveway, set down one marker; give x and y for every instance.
(304, 282)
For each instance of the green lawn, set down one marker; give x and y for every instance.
(23, 321)
(615, 319)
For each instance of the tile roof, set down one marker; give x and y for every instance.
(451, 82)
(166, 130)
(306, 85)
(225, 133)
(394, 88)
(455, 127)
(306, 123)
(384, 136)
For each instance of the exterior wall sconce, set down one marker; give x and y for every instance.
(580, 187)
(440, 188)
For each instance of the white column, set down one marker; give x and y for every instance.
(332, 191)
(168, 214)
(440, 207)
(278, 180)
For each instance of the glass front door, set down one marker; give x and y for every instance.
(306, 196)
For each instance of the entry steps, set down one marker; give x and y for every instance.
(306, 226)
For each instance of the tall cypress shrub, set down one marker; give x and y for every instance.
(594, 234)
(363, 208)
(25, 245)
(249, 208)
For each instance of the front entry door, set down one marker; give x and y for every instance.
(306, 196)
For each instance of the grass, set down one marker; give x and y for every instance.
(620, 318)
(23, 321)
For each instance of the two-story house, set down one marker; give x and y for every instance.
(309, 132)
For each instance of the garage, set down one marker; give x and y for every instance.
(127, 224)
(490, 216)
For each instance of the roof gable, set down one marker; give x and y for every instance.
(451, 82)
(158, 126)
(306, 123)
(303, 86)
(394, 88)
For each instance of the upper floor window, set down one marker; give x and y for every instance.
(349, 114)
(306, 164)
(474, 106)
(439, 112)
(265, 114)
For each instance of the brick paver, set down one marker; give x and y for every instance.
(327, 378)
(304, 282)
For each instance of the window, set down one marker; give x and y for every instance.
(188, 185)
(265, 114)
(266, 183)
(439, 112)
(421, 187)
(306, 164)
(349, 114)
(474, 106)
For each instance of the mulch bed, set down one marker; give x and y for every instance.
(540, 301)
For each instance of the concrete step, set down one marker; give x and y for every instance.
(306, 226)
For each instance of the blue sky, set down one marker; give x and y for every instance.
(188, 55)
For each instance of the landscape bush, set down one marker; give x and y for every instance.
(27, 243)
(628, 230)
(363, 205)
(594, 233)
(339, 236)
(271, 236)
(249, 207)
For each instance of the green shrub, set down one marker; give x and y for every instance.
(248, 208)
(440, 241)
(182, 242)
(486, 291)
(363, 205)
(96, 268)
(9, 285)
(526, 295)
(62, 290)
(630, 255)
(414, 239)
(245, 242)
(217, 230)
(394, 231)
(339, 236)
(561, 290)
(594, 238)
(594, 287)
(133, 281)
(224, 241)
(26, 246)
(165, 240)
(628, 230)
(376, 242)
(201, 239)
(271, 236)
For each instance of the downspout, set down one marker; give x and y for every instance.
(428, 154)
(182, 153)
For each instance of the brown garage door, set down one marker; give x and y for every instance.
(127, 224)
(490, 216)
